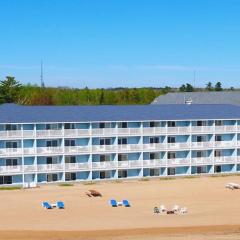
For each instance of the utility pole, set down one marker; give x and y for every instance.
(41, 76)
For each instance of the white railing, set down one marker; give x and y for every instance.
(10, 151)
(104, 131)
(49, 133)
(49, 150)
(78, 166)
(129, 147)
(178, 130)
(11, 134)
(77, 149)
(28, 134)
(76, 132)
(154, 130)
(181, 145)
(228, 159)
(104, 165)
(104, 148)
(154, 163)
(226, 128)
(208, 144)
(11, 169)
(202, 129)
(202, 160)
(50, 167)
(28, 151)
(154, 146)
(225, 143)
(30, 168)
(129, 131)
(130, 164)
(178, 161)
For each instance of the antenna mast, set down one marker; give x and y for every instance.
(41, 76)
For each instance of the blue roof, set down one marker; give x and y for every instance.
(12, 113)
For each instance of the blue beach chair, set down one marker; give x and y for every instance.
(46, 205)
(126, 203)
(60, 205)
(113, 203)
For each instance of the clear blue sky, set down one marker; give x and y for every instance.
(111, 43)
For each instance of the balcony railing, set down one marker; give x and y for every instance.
(226, 128)
(228, 159)
(104, 165)
(49, 133)
(50, 167)
(77, 149)
(76, 132)
(154, 146)
(49, 150)
(202, 129)
(154, 130)
(178, 161)
(104, 131)
(129, 147)
(10, 151)
(154, 163)
(11, 169)
(202, 160)
(30, 168)
(225, 144)
(104, 148)
(129, 131)
(208, 144)
(178, 130)
(182, 145)
(77, 166)
(130, 164)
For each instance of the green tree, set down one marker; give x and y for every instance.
(189, 88)
(102, 98)
(218, 86)
(182, 88)
(9, 90)
(209, 86)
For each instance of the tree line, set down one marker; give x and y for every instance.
(12, 91)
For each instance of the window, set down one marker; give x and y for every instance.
(171, 171)
(5, 179)
(11, 144)
(154, 172)
(171, 124)
(201, 169)
(105, 174)
(70, 159)
(104, 125)
(11, 127)
(122, 141)
(154, 156)
(70, 176)
(70, 142)
(11, 162)
(52, 177)
(171, 155)
(122, 157)
(105, 158)
(218, 123)
(200, 138)
(171, 139)
(69, 126)
(52, 126)
(154, 139)
(218, 138)
(217, 153)
(199, 154)
(217, 169)
(154, 124)
(122, 173)
(52, 160)
(52, 143)
(122, 125)
(105, 141)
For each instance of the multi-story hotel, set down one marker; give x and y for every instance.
(82, 143)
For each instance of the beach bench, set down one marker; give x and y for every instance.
(156, 210)
(113, 203)
(126, 203)
(60, 205)
(46, 205)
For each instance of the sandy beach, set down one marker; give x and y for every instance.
(213, 211)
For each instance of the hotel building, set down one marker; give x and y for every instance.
(41, 144)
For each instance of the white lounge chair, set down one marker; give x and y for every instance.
(175, 208)
(232, 186)
(162, 209)
(183, 210)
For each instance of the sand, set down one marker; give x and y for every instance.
(214, 211)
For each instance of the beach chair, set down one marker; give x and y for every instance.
(156, 210)
(46, 205)
(175, 208)
(113, 203)
(233, 186)
(162, 209)
(183, 210)
(60, 205)
(126, 203)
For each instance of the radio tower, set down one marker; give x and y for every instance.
(41, 76)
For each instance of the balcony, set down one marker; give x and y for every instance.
(178, 162)
(49, 150)
(228, 159)
(76, 132)
(77, 166)
(129, 147)
(104, 131)
(10, 151)
(49, 133)
(17, 134)
(226, 128)
(29, 168)
(199, 145)
(182, 145)
(154, 146)
(104, 165)
(225, 144)
(202, 129)
(154, 130)
(154, 163)
(77, 149)
(104, 148)
(130, 164)
(50, 167)
(178, 130)
(10, 169)
(202, 161)
(129, 131)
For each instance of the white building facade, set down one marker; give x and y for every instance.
(116, 142)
